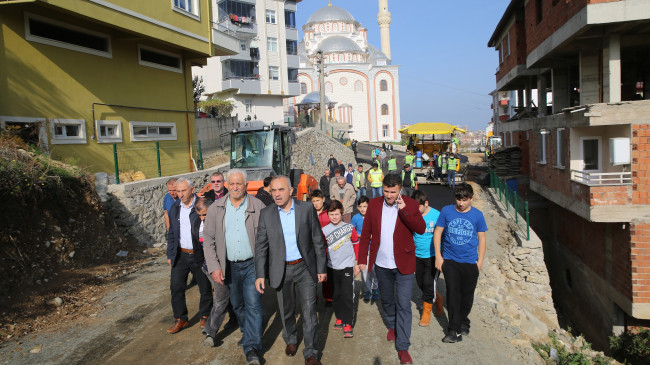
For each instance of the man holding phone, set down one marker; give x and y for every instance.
(391, 221)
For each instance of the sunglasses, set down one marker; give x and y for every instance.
(217, 181)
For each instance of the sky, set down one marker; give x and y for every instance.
(447, 70)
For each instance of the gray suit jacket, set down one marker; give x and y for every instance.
(270, 251)
(214, 232)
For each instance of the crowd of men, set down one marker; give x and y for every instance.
(236, 245)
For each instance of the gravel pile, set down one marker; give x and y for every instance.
(319, 146)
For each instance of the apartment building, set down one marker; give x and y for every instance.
(80, 77)
(587, 141)
(265, 70)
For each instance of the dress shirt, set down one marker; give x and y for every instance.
(385, 254)
(288, 221)
(186, 225)
(238, 245)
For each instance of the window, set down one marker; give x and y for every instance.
(358, 86)
(384, 131)
(187, 7)
(270, 16)
(242, 44)
(155, 58)
(500, 50)
(559, 148)
(68, 131)
(384, 109)
(239, 69)
(539, 10)
(303, 88)
(290, 19)
(383, 85)
(292, 47)
(590, 153)
(249, 105)
(507, 44)
(54, 33)
(272, 44)
(150, 131)
(109, 131)
(292, 73)
(328, 88)
(541, 148)
(274, 73)
(228, 7)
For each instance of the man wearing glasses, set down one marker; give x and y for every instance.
(218, 189)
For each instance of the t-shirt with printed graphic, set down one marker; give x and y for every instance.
(460, 237)
(424, 242)
(342, 245)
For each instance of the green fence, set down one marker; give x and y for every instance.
(156, 159)
(515, 205)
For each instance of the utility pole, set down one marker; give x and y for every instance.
(321, 84)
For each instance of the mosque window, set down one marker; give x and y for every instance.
(343, 81)
(383, 85)
(328, 87)
(384, 130)
(303, 88)
(358, 86)
(384, 109)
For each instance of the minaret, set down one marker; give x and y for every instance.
(383, 18)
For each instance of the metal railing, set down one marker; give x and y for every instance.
(601, 178)
(156, 159)
(514, 204)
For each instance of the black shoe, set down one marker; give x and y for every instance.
(240, 343)
(328, 303)
(252, 358)
(464, 330)
(232, 323)
(452, 337)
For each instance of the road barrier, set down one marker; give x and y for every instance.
(514, 204)
(156, 159)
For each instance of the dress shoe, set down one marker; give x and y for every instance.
(203, 322)
(252, 358)
(404, 357)
(291, 349)
(178, 326)
(311, 360)
(390, 336)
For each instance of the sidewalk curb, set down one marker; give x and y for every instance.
(534, 242)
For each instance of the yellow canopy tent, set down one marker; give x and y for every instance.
(431, 128)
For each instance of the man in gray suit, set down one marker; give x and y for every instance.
(290, 244)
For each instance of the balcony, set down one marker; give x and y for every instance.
(294, 89)
(225, 41)
(244, 85)
(292, 34)
(236, 27)
(601, 178)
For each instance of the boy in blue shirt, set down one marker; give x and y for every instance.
(463, 251)
(426, 274)
(369, 279)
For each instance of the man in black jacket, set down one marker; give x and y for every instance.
(218, 187)
(263, 193)
(332, 164)
(324, 184)
(185, 255)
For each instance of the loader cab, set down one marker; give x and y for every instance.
(264, 148)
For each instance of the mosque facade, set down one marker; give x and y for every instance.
(361, 83)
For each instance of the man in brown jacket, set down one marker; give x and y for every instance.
(344, 193)
(229, 244)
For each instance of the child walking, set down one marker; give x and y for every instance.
(463, 251)
(370, 280)
(342, 249)
(318, 201)
(426, 274)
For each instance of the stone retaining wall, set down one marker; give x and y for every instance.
(320, 146)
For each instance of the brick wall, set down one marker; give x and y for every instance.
(641, 164)
(640, 261)
(517, 49)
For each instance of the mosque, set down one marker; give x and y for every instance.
(361, 84)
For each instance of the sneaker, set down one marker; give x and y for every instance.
(452, 337)
(347, 331)
(209, 341)
(375, 294)
(252, 358)
(366, 296)
(404, 357)
(464, 330)
(338, 324)
(390, 336)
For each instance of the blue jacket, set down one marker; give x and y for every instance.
(173, 237)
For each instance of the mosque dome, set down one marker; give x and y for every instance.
(330, 13)
(339, 44)
(313, 98)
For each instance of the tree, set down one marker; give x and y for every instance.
(199, 87)
(216, 107)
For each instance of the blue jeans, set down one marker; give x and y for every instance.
(377, 191)
(395, 290)
(451, 178)
(360, 192)
(247, 302)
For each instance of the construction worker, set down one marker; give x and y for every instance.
(452, 164)
(359, 179)
(437, 172)
(408, 159)
(392, 164)
(376, 178)
(409, 181)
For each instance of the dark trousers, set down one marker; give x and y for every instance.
(426, 275)
(461, 282)
(395, 290)
(342, 293)
(184, 265)
(298, 277)
(220, 304)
